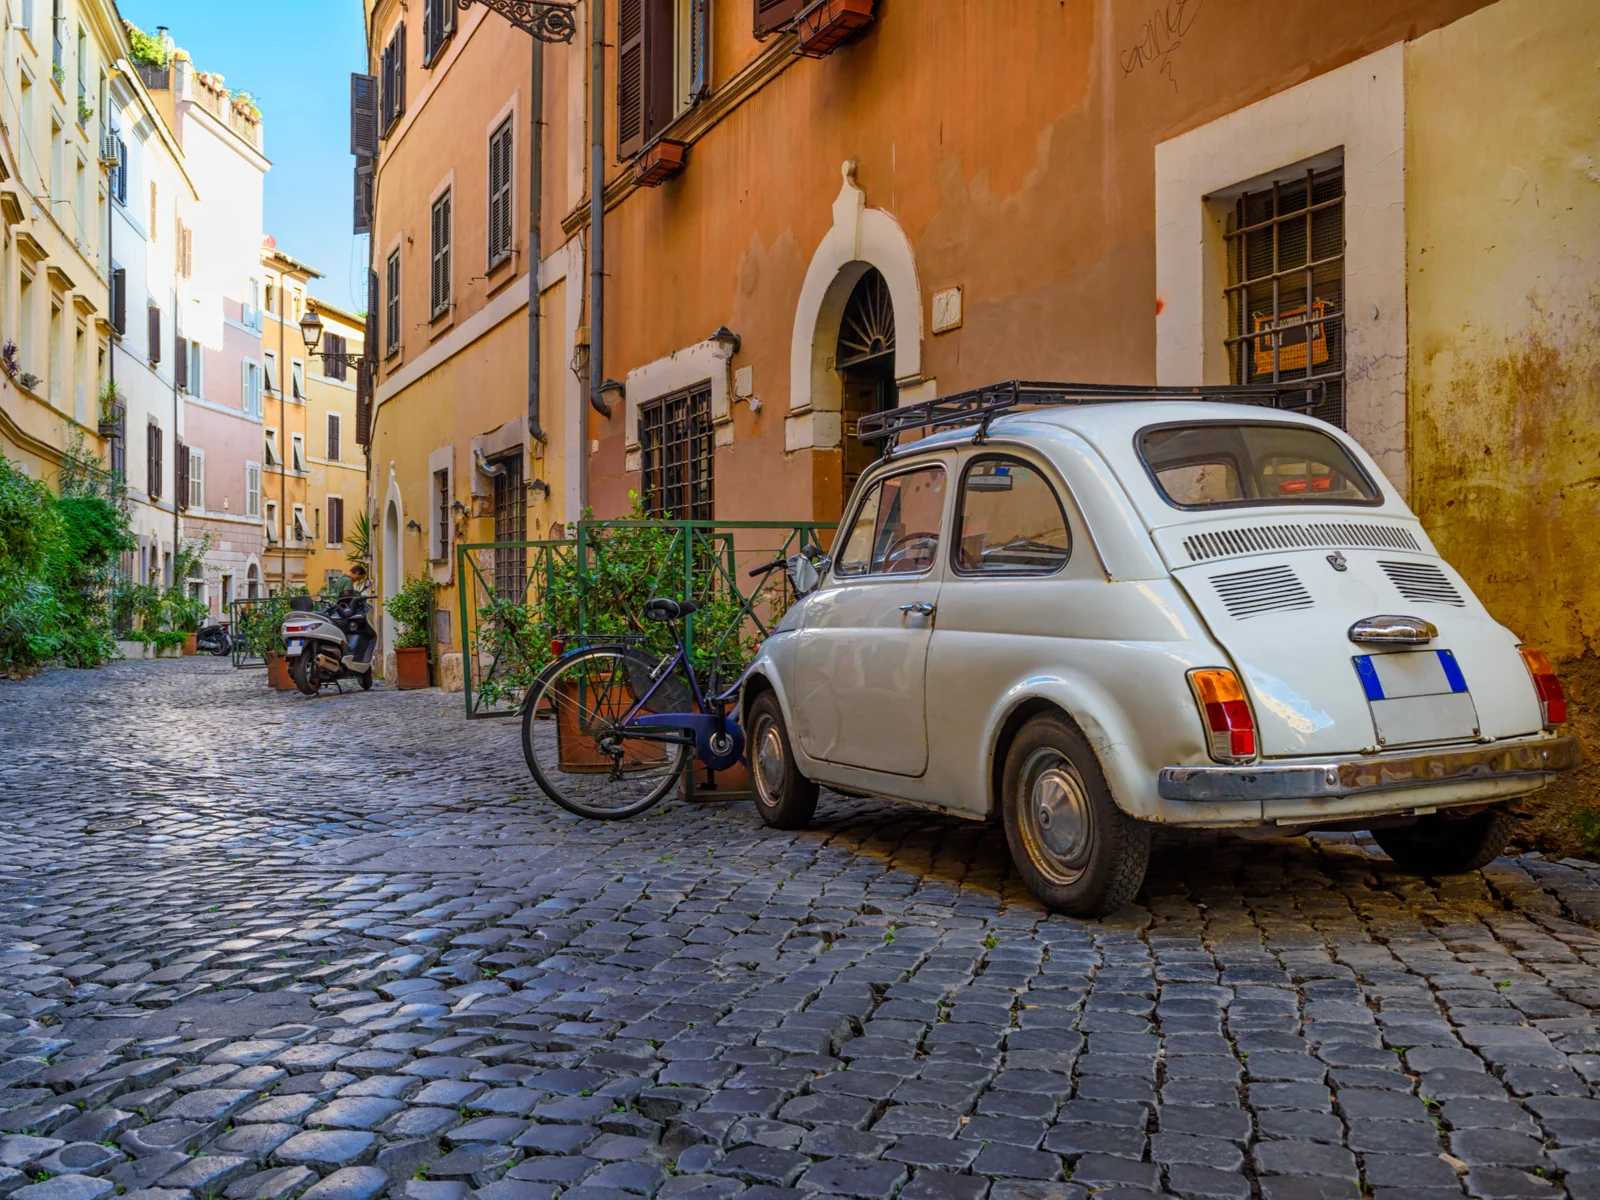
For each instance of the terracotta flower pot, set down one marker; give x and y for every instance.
(189, 644)
(278, 676)
(731, 784)
(411, 668)
(576, 750)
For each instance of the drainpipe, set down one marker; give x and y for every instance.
(285, 454)
(535, 216)
(597, 220)
(177, 528)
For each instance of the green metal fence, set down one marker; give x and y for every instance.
(518, 597)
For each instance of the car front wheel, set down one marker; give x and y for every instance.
(1075, 849)
(1443, 845)
(785, 798)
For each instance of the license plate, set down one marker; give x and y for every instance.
(295, 646)
(1417, 697)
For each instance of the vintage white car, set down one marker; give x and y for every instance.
(1091, 611)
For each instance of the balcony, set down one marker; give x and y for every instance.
(155, 78)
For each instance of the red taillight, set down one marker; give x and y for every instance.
(1552, 697)
(1230, 726)
(558, 647)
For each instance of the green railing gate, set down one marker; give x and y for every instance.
(516, 597)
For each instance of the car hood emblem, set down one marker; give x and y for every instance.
(1338, 562)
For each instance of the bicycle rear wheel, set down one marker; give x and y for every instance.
(580, 753)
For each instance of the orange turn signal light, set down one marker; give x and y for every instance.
(1225, 713)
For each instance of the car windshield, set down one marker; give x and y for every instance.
(1219, 464)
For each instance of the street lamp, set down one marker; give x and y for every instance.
(311, 331)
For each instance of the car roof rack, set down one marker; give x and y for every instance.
(981, 405)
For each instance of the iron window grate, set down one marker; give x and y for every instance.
(510, 526)
(676, 449)
(1285, 292)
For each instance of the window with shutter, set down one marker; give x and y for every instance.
(197, 479)
(364, 116)
(269, 368)
(699, 50)
(392, 340)
(252, 489)
(188, 252)
(180, 464)
(438, 23)
(400, 70)
(297, 379)
(180, 365)
(363, 194)
(153, 461)
(333, 437)
(440, 279)
(500, 193)
(119, 300)
(155, 334)
(335, 520)
(364, 405)
(630, 77)
(773, 15)
(121, 182)
(394, 79)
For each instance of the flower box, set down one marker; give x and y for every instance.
(411, 668)
(659, 162)
(828, 24)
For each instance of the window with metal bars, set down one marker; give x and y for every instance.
(510, 526)
(1285, 293)
(675, 443)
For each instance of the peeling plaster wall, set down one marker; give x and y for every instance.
(1503, 264)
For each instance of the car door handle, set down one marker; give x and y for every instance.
(921, 607)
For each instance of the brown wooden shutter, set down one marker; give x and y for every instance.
(364, 116)
(180, 485)
(335, 520)
(364, 404)
(386, 98)
(660, 70)
(155, 334)
(773, 15)
(631, 63)
(119, 300)
(449, 22)
(430, 34)
(180, 365)
(363, 196)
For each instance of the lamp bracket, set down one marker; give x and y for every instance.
(546, 20)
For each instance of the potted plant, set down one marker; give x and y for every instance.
(412, 608)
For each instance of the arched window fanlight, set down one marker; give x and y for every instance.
(867, 330)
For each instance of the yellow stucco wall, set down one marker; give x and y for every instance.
(1503, 213)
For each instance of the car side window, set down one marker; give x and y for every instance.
(1011, 521)
(896, 529)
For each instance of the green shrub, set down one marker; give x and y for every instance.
(412, 607)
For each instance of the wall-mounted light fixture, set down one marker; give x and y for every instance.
(612, 393)
(540, 488)
(413, 526)
(458, 508)
(727, 339)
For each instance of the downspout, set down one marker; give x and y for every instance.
(177, 528)
(535, 218)
(285, 454)
(597, 220)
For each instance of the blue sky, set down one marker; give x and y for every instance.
(295, 58)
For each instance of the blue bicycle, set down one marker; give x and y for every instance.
(607, 729)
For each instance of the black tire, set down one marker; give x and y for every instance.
(366, 681)
(1075, 849)
(593, 772)
(785, 798)
(304, 673)
(1442, 845)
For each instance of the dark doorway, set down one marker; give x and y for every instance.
(865, 362)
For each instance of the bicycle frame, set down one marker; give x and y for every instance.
(717, 740)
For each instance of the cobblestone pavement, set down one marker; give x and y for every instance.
(255, 946)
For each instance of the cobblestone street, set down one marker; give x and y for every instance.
(257, 946)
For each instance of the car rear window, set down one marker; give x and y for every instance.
(1220, 464)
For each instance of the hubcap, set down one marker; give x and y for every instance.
(769, 758)
(1059, 816)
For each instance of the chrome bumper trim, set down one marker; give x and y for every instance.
(1356, 776)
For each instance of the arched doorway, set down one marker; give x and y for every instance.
(393, 567)
(865, 362)
(252, 582)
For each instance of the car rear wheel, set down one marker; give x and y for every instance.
(785, 798)
(1445, 845)
(1075, 849)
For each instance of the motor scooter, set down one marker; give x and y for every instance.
(329, 645)
(213, 638)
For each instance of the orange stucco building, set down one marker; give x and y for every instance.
(958, 193)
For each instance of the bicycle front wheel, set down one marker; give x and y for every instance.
(578, 747)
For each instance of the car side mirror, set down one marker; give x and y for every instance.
(805, 573)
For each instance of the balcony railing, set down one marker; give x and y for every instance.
(156, 79)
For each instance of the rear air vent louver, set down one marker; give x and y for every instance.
(1254, 539)
(1422, 582)
(1248, 593)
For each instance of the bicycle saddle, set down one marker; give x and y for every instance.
(663, 609)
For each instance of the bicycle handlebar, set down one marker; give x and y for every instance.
(765, 567)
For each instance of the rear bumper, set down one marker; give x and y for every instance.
(1532, 761)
